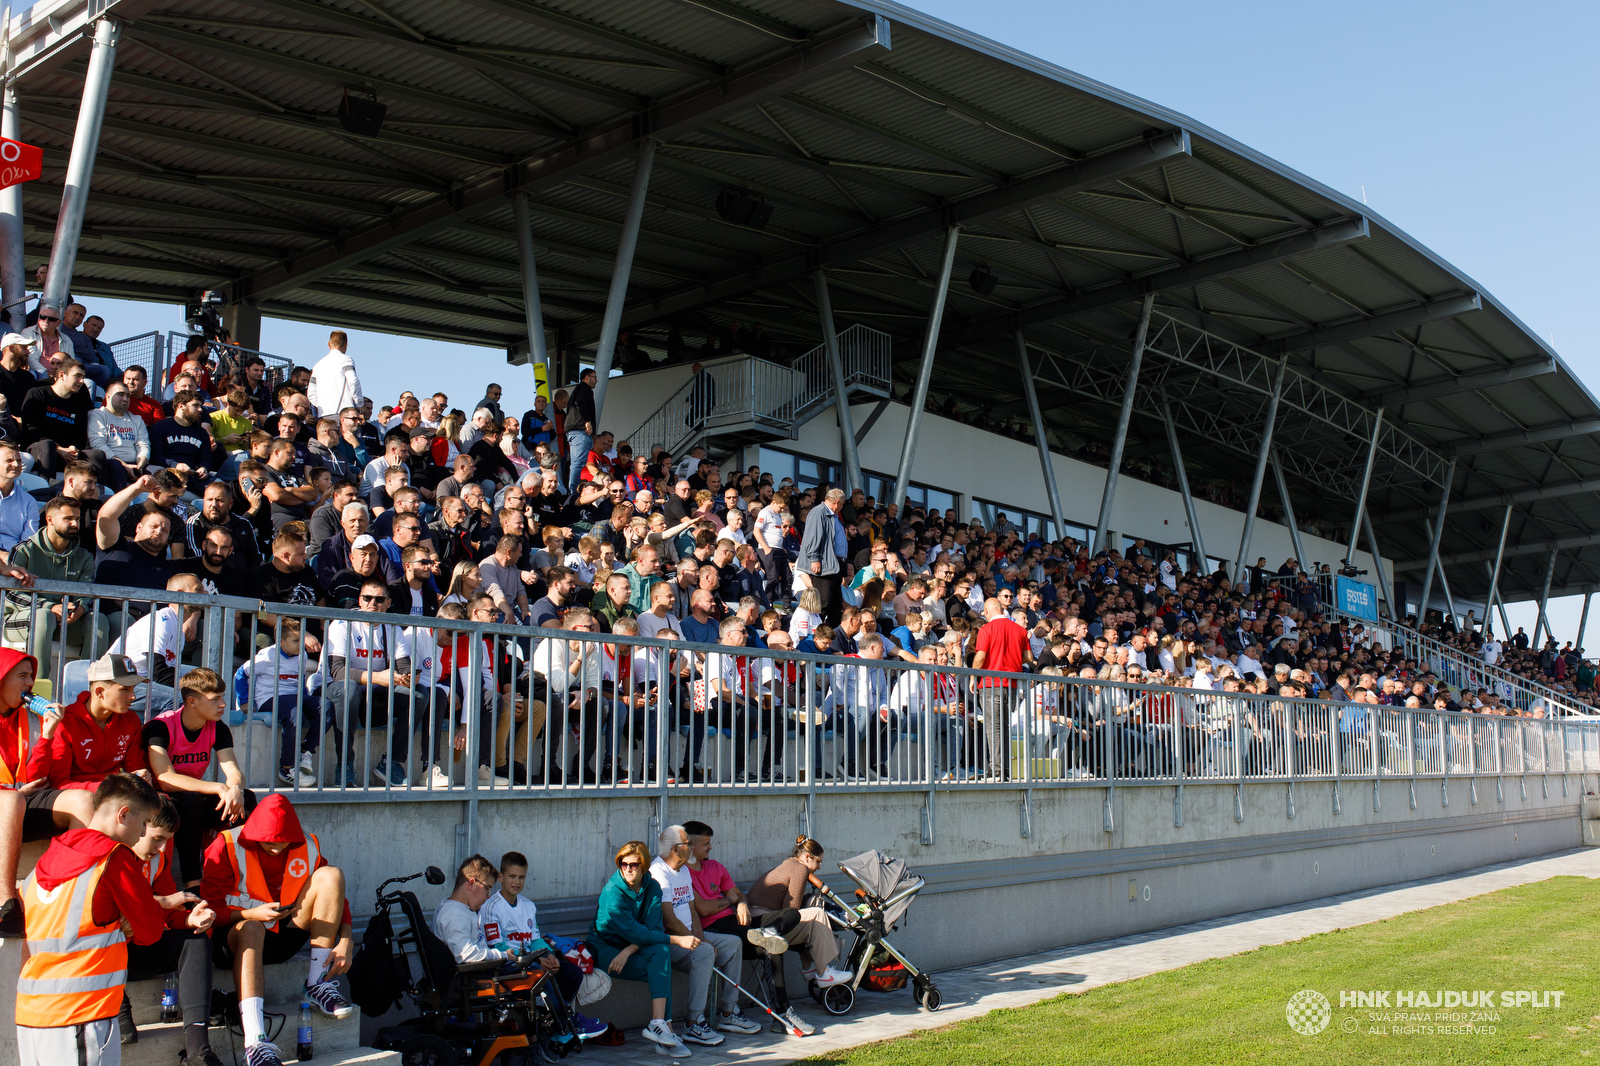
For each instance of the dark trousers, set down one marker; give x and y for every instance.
(198, 820)
(348, 704)
(310, 738)
(51, 462)
(827, 586)
(186, 953)
(560, 721)
(776, 564)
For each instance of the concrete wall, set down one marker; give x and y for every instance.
(960, 459)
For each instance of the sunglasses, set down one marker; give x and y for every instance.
(373, 599)
(48, 318)
(628, 865)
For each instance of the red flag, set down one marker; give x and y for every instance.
(19, 162)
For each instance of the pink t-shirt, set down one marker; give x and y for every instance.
(712, 881)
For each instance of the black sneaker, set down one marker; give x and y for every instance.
(517, 772)
(207, 1057)
(130, 1032)
(12, 921)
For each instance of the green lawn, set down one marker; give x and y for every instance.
(1536, 937)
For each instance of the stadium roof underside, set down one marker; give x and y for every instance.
(870, 128)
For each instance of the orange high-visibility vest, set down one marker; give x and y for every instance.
(24, 723)
(251, 884)
(76, 969)
(152, 867)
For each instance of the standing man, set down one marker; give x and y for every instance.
(1001, 645)
(822, 553)
(334, 384)
(580, 426)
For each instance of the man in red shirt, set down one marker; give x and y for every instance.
(1001, 645)
(97, 736)
(273, 890)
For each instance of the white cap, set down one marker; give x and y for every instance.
(14, 338)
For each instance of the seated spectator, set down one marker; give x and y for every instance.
(154, 644)
(785, 888)
(629, 939)
(121, 436)
(19, 511)
(142, 563)
(140, 403)
(416, 594)
(53, 554)
(182, 442)
(305, 902)
(573, 677)
(285, 487)
(275, 685)
(232, 426)
(456, 922)
(180, 746)
(285, 577)
(368, 671)
(55, 422)
(713, 950)
(16, 379)
(97, 735)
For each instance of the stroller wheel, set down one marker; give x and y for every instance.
(838, 999)
(427, 1049)
(931, 999)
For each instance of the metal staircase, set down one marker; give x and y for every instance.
(753, 399)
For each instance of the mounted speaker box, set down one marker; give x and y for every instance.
(364, 118)
(740, 208)
(982, 280)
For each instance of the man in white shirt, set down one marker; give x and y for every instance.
(155, 644)
(455, 920)
(334, 384)
(1246, 665)
(1491, 648)
(367, 673)
(671, 871)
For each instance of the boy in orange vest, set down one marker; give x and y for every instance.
(184, 948)
(86, 891)
(273, 890)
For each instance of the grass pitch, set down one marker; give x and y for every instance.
(1534, 938)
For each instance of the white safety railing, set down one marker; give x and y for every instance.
(457, 707)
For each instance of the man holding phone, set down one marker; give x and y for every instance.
(271, 856)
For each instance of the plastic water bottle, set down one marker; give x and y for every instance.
(302, 1039)
(169, 999)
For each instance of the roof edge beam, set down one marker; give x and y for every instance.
(1531, 367)
(1523, 437)
(1501, 499)
(1375, 325)
(1486, 555)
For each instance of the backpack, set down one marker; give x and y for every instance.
(376, 979)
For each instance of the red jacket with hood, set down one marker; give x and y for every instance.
(38, 765)
(273, 820)
(124, 888)
(83, 753)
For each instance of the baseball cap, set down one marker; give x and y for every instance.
(363, 542)
(421, 431)
(117, 668)
(13, 338)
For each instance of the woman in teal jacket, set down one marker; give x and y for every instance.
(630, 941)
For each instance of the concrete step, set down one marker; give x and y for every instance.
(159, 1045)
(284, 981)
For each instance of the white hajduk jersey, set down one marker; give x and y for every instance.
(515, 924)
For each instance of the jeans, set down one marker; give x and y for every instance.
(578, 445)
(287, 726)
(347, 705)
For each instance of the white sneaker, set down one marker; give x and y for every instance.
(768, 940)
(829, 976)
(437, 778)
(660, 1033)
(487, 776)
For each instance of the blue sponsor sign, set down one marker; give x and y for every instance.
(1357, 598)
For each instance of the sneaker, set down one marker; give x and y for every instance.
(790, 1020)
(587, 1028)
(329, 1000)
(207, 1057)
(130, 1032)
(386, 774)
(768, 940)
(829, 976)
(12, 922)
(737, 1022)
(701, 1033)
(516, 773)
(660, 1034)
(350, 779)
(298, 776)
(487, 776)
(437, 778)
(263, 1054)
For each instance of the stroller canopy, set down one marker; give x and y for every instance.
(884, 876)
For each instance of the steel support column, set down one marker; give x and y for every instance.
(1444, 579)
(1397, 615)
(1366, 482)
(847, 426)
(1435, 535)
(1261, 469)
(617, 298)
(80, 165)
(532, 310)
(1129, 388)
(930, 344)
(1541, 621)
(13, 274)
(1045, 466)
(1583, 623)
(1183, 487)
(1288, 512)
(1494, 573)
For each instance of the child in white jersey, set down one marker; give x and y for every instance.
(510, 922)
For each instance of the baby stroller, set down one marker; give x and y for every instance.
(887, 887)
(470, 1014)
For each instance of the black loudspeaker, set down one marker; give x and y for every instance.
(364, 118)
(742, 209)
(982, 280)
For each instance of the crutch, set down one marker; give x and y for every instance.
(775, 1015)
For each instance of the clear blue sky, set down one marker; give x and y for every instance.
(1469, 125)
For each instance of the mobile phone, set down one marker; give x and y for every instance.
(247, 483)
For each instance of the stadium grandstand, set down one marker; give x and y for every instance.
(1133, 457)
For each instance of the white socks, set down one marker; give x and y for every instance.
(319, 966)
(254, 1024)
